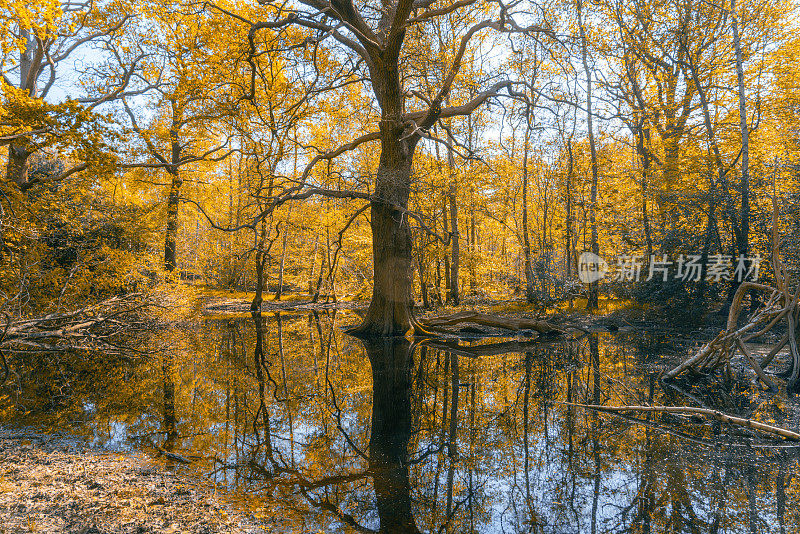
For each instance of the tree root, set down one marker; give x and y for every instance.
(782, 304)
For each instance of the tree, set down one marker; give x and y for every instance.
(38, 43)
(189, 99)
(375, 36)
(591, 302)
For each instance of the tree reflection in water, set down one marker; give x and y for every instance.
(325, 432)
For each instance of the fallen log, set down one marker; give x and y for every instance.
(514, 324)
(714, 414)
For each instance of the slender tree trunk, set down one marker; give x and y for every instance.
(592, 302)
(171, 234)
(455, 296)
(446, 229)
(260, 262)
(279, 290)
(423, 282)
(326, 257)
(526, 243)
(439, 282)
(313, 265)
(473, 248)
(569, 222)
(642, 134)
(743, 236)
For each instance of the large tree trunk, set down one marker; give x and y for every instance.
(390, 311)
(17, 166)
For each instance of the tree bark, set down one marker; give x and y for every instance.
(171, 234)
(569, 218)
(18, 166)
(509, 323)
(423, 282)
(390, 311)
(473, 248)
(261, 259)
(279, 290)
(643, 139)
(446, 229)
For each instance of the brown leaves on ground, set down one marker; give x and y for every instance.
(58, 486)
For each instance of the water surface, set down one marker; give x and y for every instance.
(331, 433)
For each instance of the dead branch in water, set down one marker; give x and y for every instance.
(100, 327)
(714, 414)
(781, 304)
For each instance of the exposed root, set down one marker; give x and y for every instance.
(781, 305)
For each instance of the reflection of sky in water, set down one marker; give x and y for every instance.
(679, 484)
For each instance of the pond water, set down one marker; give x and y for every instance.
(330, 433)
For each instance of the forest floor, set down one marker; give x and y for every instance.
(54, 484)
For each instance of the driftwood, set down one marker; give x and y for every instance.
(514, 324)
(781, 305)
(714, 414)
